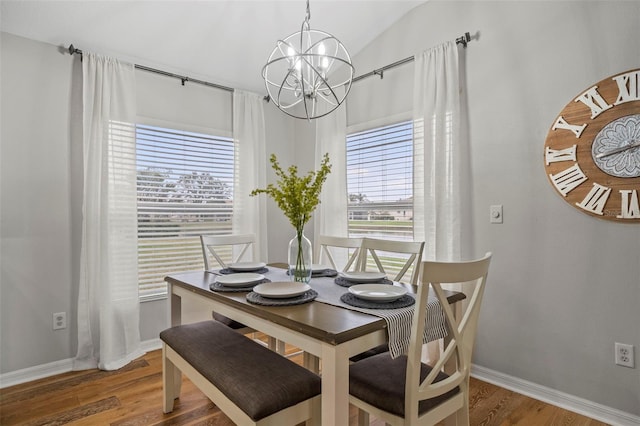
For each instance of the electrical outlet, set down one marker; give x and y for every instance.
(624, 355)
(59, 320)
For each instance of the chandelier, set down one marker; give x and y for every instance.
(309, 73)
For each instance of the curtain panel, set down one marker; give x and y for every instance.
(250, 213)
(330, 217)
(442, 187)
(108, 303)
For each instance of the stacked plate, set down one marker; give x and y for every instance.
(281, 290)
(243, 279)
(363, 277)
(377, 292)
(246, 266)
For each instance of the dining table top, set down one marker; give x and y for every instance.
(328, 323)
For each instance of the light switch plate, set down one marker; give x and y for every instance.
(495, 213)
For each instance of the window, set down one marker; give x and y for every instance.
(380, 182)
(185, 189)
(380, 186)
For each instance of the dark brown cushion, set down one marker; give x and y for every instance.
(380, 381)
(259, 381)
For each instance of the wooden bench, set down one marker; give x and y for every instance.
(249, 383)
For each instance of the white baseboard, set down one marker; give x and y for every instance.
(554, 397)
(34, 373)
(151, 344)
(57, 367)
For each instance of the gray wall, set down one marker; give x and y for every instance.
(563, 286)
(41, 175)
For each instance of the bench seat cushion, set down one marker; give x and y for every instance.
(257, 380)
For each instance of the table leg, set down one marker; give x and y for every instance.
(335, 385)
(175, 309)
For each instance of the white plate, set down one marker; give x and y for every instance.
(246, 266)
(239, 280)
(363, 277)
(281, 290)
(377, 292)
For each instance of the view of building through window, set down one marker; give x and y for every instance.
(185, 189)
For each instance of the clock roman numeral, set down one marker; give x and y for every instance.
(555, 155)
(594, 101)
(629, 206)
(595, 199)
(568, 179)
(628, 87)
(562, 124)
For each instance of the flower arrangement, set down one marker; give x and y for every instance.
(297, 197)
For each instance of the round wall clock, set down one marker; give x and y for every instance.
(592, 151)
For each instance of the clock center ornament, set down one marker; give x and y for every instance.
(592, 151)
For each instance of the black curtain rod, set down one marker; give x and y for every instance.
(184, 79)
(463, 40)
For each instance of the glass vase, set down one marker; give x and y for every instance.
(300, 257)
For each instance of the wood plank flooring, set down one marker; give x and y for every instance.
(132, 396)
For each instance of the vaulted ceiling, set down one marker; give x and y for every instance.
(223, 41)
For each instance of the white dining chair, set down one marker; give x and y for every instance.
(391, 256)
(406, 391)
(344, 249)
(226, 249)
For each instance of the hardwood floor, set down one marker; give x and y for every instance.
(133, 396)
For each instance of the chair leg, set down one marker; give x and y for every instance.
(463, 414)
(272, 343)
(316, 413)
(311, 362)
(363, 418)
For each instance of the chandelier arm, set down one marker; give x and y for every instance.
(284, 81)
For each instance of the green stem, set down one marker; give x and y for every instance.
(300, 272)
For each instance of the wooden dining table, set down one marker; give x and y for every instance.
(331, 333)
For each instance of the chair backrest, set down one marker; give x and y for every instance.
(392, 256)
(235, 247)
(461, 332)
(330, 248)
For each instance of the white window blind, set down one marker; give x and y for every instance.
(185, 184)
(380, 182)
(380, 185)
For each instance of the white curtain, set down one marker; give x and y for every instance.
(330, 217)
(250, 213)
(108, 304)
(442, 198)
